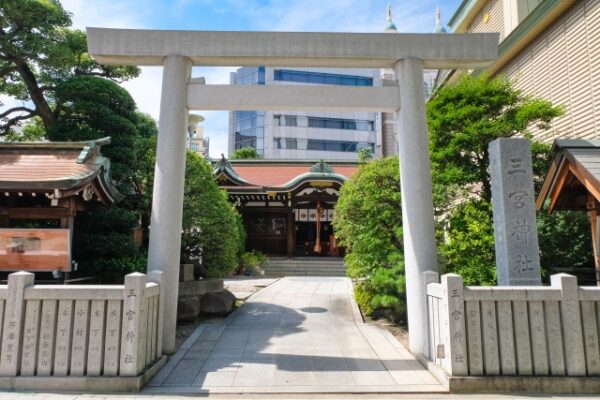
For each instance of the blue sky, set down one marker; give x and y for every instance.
(228, 15)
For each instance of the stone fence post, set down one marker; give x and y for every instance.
(157, 277)
(132, 359)
(455, 330)
(13, 322)
(427, 278)
(571, 323)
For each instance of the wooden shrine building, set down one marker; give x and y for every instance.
(287, 206)
(42, 187)
(573, 183)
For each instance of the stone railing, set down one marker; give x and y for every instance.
(79, 331)
(514, 331)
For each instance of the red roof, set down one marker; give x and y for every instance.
(43, 166)
(277, 175)
(63, 166)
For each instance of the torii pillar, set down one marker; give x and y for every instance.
(164, 249)
(420, 253)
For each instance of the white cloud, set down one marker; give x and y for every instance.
(146, 90)
(106, 14)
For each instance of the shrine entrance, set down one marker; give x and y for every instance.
(407, 54)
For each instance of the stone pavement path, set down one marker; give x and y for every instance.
(299, 335)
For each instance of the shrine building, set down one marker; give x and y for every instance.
(287, 206)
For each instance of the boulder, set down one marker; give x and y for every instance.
(188, 308)
(217, 303)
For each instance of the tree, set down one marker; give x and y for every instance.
(245, 153)
(464, 117)
(368, 223)
(212, 229)
(37, 51)
(95, 108)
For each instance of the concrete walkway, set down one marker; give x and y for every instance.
(299, 335)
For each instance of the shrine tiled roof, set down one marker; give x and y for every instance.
(277, 174)
(280, 175)
(50, 166)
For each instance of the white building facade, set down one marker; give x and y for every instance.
(305, 135)
(285, 135)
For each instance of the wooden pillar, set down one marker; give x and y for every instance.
(291, 228)
(592, 207)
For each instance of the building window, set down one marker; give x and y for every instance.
(336, 123)
(338, 145)
(321, 78)
(291, 144)
(249, 129)
(250, 76)
(285, 143)
(285, 120)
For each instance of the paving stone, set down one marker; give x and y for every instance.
(333, 378)
(214, 379)
(381, 378)
(184, 373)
(222, 363)
(255, 375)
(297, 335)
(287, 378)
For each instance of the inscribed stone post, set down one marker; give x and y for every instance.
(515, 230)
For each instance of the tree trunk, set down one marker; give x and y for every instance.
(42, 108)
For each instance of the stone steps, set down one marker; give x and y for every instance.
(305, 267)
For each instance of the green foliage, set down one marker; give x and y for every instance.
(365, 155)
(38, 50)
(253, 259)
(32, 131)
(144, 158)
(565, 241)
(363, 293)
(464, 117)
(210, 224)
(245, 153)
(103, 243)
(468, 249)
(95, 108)
(368, 223)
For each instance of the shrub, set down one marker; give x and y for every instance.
(211, 226)
(468, 249)
(368, 223)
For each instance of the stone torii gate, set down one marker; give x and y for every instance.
(407, 54)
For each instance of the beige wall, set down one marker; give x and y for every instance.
(495, 23)
(563, 65)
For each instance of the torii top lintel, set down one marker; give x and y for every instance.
(292, 49)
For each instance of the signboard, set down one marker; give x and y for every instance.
(35, 250)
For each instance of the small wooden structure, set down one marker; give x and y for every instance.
(42, 187)
(573, 183)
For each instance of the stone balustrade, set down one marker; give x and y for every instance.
(513, 331)
(79, 331)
